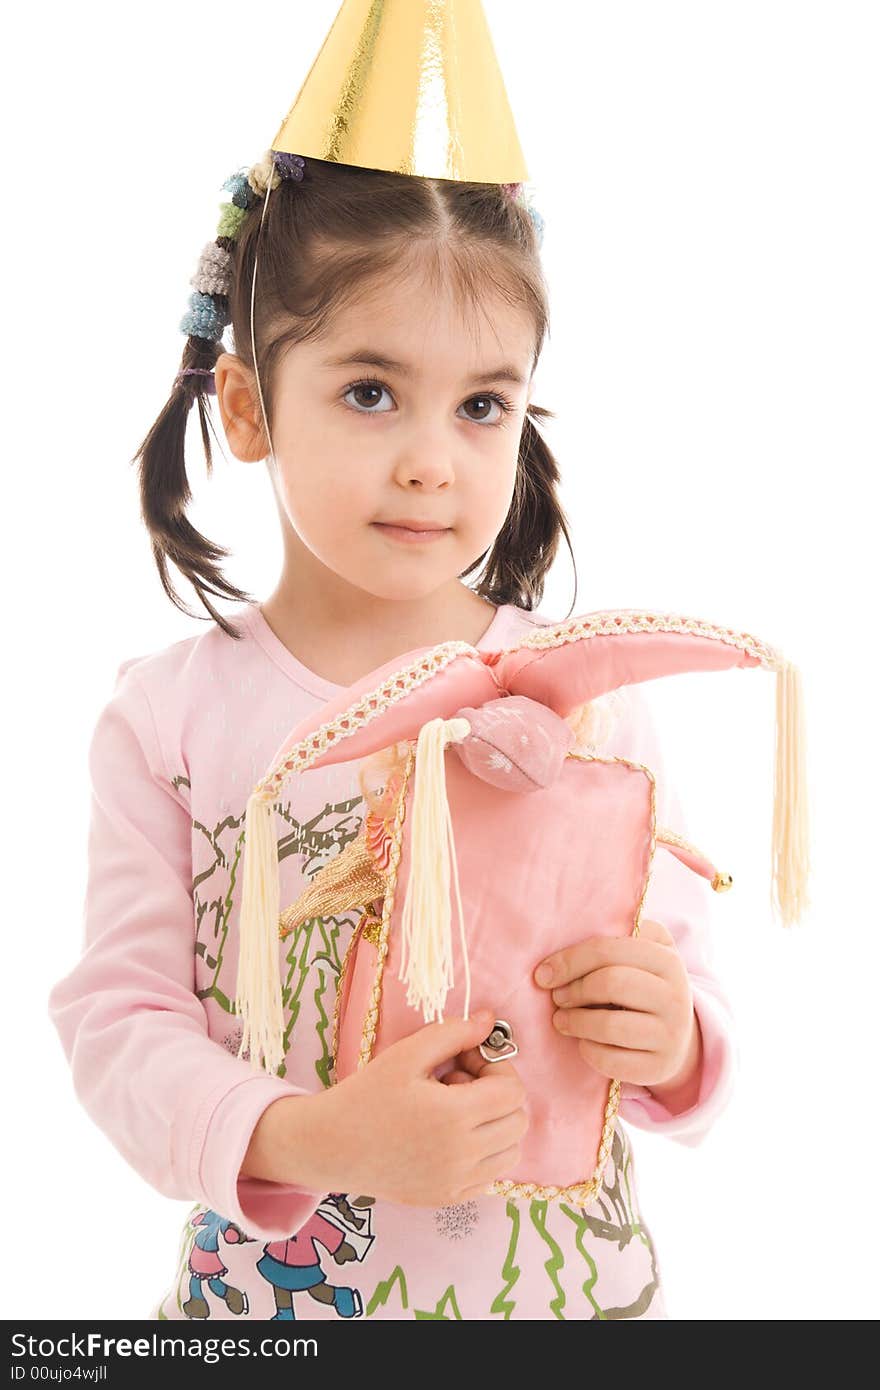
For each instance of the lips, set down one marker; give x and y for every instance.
(408, 535)
(413, 525)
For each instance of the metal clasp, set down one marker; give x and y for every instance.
(500, 1045)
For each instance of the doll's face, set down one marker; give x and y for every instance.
(380, 776)
(434, 438)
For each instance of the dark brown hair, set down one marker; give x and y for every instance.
(324, 241)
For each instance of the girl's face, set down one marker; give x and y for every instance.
(431, 433)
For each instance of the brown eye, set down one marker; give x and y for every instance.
(367, 393)
(484, 405)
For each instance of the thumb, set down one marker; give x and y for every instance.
(438, 1042)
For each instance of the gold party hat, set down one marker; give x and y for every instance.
(411, 86)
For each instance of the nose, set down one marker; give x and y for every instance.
(425, 460)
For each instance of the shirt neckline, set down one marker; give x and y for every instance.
(252, 619)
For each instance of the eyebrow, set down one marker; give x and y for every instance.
(365, 357)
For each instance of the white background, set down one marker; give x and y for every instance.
(708, 176)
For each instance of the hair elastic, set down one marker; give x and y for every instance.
(210, 386)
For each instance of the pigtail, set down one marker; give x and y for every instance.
(165, 492)
(164, 486)
(526, 545)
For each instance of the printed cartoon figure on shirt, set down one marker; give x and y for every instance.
(294, 1265)
(205, 1265)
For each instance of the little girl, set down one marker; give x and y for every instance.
(398, 321)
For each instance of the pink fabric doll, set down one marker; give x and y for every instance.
(471, 773)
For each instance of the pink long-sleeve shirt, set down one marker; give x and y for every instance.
(146, 1015)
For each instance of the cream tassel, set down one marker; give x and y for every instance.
(258, 1000)
(426, 923)
(790, 812)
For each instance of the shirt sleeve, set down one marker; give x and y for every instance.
(682, 901)
(178, 1106)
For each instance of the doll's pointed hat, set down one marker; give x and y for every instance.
(421, 696)
(411, 86)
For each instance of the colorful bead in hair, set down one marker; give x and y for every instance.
(243, 195)
(289, 166)
(231, 218)
(214, 271)
(263, 175)
(206, 318)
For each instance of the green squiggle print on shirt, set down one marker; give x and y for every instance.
(221, 905)
(538, 1214)
(297, 959)
(329, 928)
(582, 1225)
(510, 1271)
(383, 1289)
(325, 1061)
(447, 1300)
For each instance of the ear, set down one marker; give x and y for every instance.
(239, 406)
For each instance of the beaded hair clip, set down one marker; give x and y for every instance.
(208, 312)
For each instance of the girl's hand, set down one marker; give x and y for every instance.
(395, 1130)
(628, 1002)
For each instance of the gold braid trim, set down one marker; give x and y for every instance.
(350, 879)
(671, 837)
(642, 620)
(358, 715)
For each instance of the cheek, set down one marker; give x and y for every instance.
(490, 492)
(329, 500)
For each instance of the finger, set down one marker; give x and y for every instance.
(616, 1062)
(656, 931)
(490, 1097)
(598, 951)
(499, 1165)
(623, 985)
(497, 1135)
(435, 1043)
(455, 1078)
(473, 1061)
(636, 1032)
